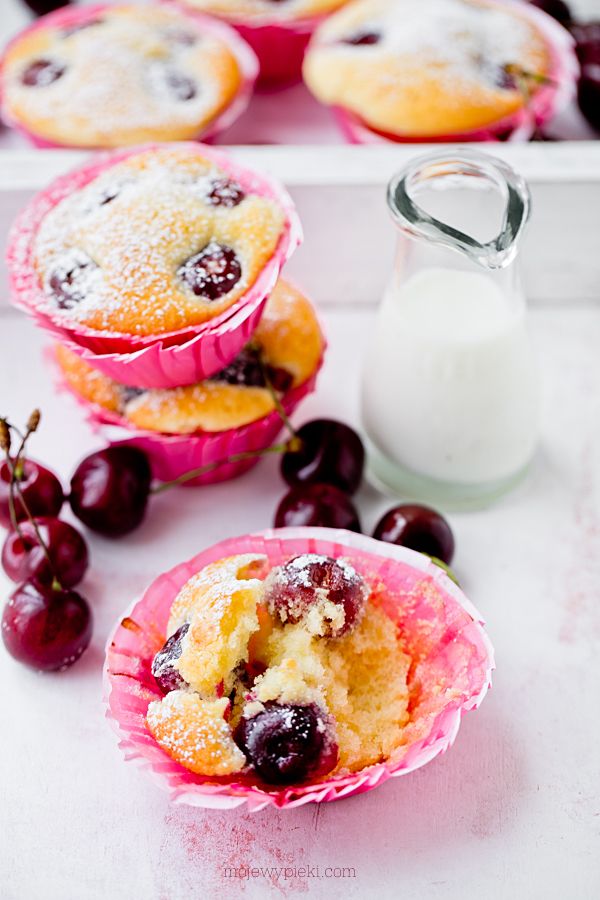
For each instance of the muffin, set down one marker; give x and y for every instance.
(357, 656)
(113, 76)
(277, 32)
(164, 240)
(409, 70)
(289, 674)
(284, 354)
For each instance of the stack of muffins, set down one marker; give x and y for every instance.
(157, 270)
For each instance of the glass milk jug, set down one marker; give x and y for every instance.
(450, 397)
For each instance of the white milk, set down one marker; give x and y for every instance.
(450, 390)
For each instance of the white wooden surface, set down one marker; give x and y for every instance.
(512, 810)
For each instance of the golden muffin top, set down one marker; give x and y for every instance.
(266, 9)
(118, 77)
(427, 67)
(162, 240)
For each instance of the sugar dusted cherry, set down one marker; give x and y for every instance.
(317, 504)
(110, 490)
(419, 528)
(44, 628)
(23, 557)
(166, 675)
(288, 744)
(329, 452)
(40, 487)
(328, 595)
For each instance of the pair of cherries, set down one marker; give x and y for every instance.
(327, 470)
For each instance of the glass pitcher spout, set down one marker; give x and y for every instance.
(444, 170)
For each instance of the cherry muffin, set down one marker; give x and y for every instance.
(277, 30)
(291, 677)
(151, 245)
(294, 665)
(441, 70)
(112, 76)
(284, 354)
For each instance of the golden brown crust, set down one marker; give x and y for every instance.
(290, 339)
(255, 10)
(433, 70)
(359, 681)
(115, 90)
(134, 245)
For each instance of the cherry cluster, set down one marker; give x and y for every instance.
(324, 467)
(46, 624)
(587, 46)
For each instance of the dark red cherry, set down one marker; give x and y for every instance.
(246, 370)
(165, 673)
(419, 528)
(44, 628)
(42, 72)
(67, 280)
(363, 39)
(317, 504)
(587, 42)
(330, 453)
(41, 7)
(23, 559)
(588, 93)
(328, 594)
(40, 487)
(110, 490)
(288, 744)
(213, 272)
(225, 192)
(555, 8)
(180, 86)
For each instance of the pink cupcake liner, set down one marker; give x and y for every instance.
(166, 360)
(279, 46)
(67, 16)
(451, 672)
(172, 455)
(547, 101)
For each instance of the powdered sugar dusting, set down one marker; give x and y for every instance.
(139, 222)
(124, 73)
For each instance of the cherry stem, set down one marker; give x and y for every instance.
(13, 468)
(275, 397)
(209, 467)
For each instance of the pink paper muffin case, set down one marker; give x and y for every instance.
(173, 455)
(171, 359)
(279, 45)
(69, 16)
(546, 102)
(450, 675)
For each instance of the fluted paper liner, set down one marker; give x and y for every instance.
(173, 455)
(452, 660)
(69, 16)
(166, 360)
(547, 101)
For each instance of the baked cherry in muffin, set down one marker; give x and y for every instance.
(111, 76)
(258, 685)
(286, 350)
(161, 240)
(413, 69)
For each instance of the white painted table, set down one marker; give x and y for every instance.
(512, 810)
